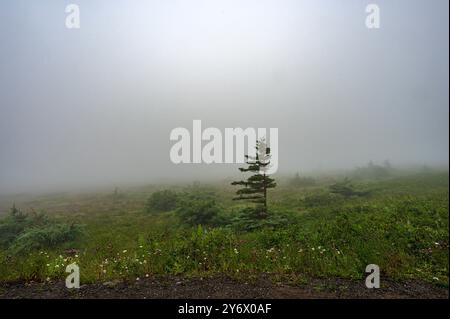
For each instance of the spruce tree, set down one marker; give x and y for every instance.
(256, 186)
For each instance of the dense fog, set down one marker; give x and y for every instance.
(95, 106)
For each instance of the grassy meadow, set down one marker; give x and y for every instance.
(398, 222)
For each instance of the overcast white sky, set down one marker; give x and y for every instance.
(95, 106)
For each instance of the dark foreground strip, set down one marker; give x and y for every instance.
(223, 308)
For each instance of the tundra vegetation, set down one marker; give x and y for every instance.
(313, 226)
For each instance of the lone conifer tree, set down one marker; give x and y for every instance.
(255, 187)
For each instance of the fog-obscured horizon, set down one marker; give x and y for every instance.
(95, 106)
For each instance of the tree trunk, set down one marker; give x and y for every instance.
(265, 197)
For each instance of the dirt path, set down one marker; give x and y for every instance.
(223, 287)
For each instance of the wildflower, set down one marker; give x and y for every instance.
(236, 251)
(76, 256)
(435, 278)
(137, 279)
(124, 251)
(48, 265)
(146, 275)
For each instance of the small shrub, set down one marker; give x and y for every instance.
(246, 219)
(162, 201)
(22, 232)
(45, 237)
(199, 208)
(12, 226)
(346, 189)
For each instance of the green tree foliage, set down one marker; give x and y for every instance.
(48, 236)
(12, 226)
(162, 201)
(247, 219)
(22, 232)
(199, 208)
(256, 186)
(346, 189)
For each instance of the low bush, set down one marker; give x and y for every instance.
(247, 219)
(162, 201)
(48, 236)
(22, 233)
(199, 208)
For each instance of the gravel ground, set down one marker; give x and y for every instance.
(172, 287)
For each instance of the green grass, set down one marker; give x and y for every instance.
(402, 226)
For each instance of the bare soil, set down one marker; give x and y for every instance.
(172, 287)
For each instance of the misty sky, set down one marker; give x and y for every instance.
(95, 106)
